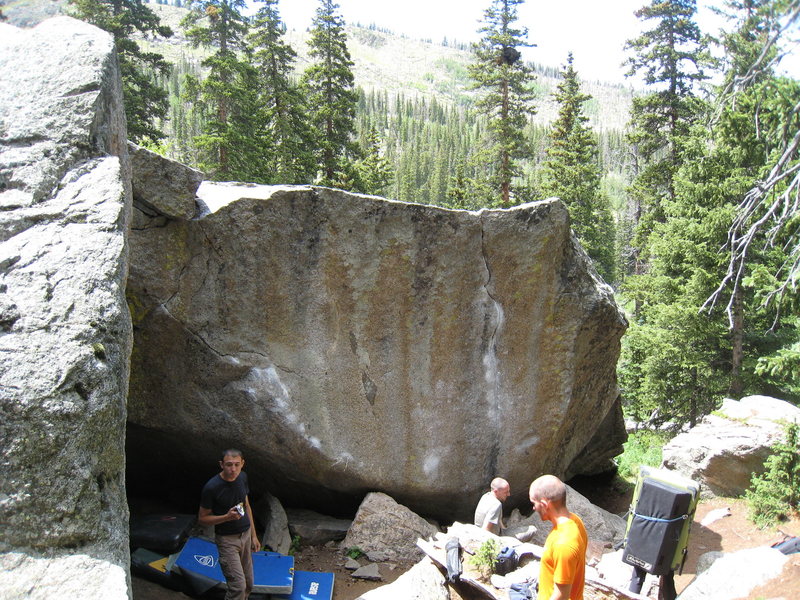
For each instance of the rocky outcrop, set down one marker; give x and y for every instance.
(424, 581)
(65, 334)
(349, 343)
(727, 447)
(162, 187)
(735, 574)
(386, 529)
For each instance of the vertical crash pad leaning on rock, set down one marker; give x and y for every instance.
(65, 333)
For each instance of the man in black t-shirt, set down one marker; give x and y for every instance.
(225, 505)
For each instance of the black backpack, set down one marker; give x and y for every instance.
(506, 561)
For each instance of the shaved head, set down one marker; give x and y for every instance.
(500, 488)
(549, 487)
(498, 483)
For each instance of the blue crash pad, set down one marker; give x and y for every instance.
(198, 561)
(309, 586)
(272, 573)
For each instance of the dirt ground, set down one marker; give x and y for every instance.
(727, 534)
(312, 558)
(736, 532)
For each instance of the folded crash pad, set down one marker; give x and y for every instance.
(153, 567)
(164, 533)
(272, 573)
(309, 586)
(198, 562)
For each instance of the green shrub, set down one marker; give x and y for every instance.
(294, 547)
(775, 494)
(642, 448)
(485, 558)
(354, 552)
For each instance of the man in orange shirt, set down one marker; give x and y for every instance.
(563, 565)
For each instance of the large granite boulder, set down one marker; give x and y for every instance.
(349, 343)
(65, 332)
(726, 448)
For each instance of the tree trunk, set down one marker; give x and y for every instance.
(506, 159)
(737, 344)
(693, 399)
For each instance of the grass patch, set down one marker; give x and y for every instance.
(642, 448)
(294, 548)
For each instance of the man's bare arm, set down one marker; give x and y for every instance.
(561, 591)
(205, 518)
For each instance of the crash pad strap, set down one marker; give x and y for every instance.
(658, 519)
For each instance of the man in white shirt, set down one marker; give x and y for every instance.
(489, 512)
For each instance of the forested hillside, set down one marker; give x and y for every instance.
(686, 194)
(396, 64)
(417, 96)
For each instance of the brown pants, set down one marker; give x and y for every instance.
(237, 564)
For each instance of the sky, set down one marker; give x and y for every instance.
(595, 31)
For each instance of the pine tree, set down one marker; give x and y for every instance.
(287, 137)
(329, 85)
(439, 176)
(770, 207)
(374, 171)
(671, 57)
(459, 189)
(774, 495)
(223, 97)
(571, 172)
(678, 358)
(507, 99)
(145, 101)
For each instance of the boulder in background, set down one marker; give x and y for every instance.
(315, 529)
(727, 447)
(602, 526)
(382, 525)
(162, 186)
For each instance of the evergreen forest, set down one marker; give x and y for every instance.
(688, 203)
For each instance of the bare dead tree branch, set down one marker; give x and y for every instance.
(764, 211)
(761, 64)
